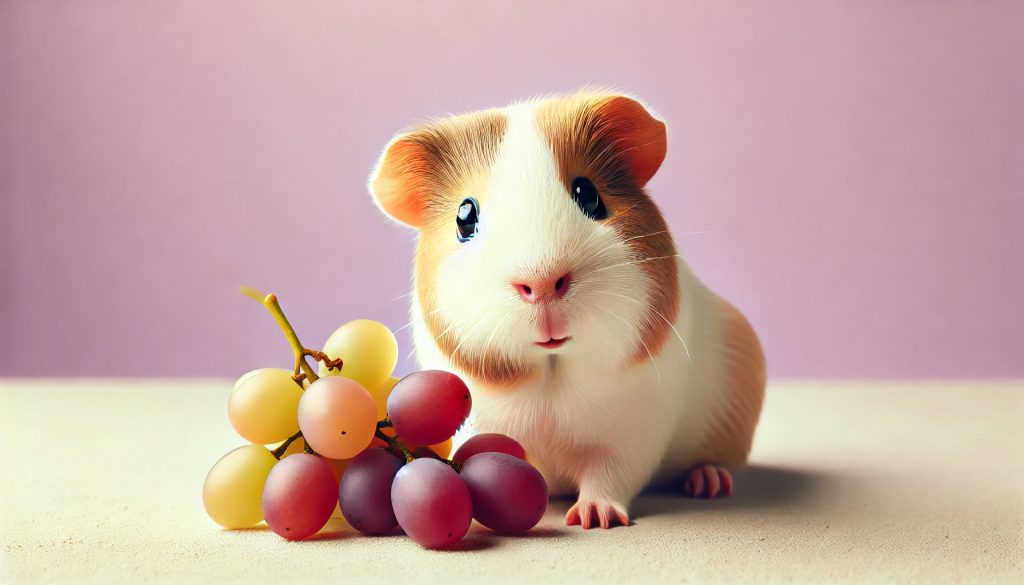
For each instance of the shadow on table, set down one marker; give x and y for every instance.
(480, 538)
(756, 488)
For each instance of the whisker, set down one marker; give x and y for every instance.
(400, 297)
(640, 339)
(498, 327)
(406, 326)
(592, 235)
(676, 331)
(411, 351)
(413, 320)
(611, 220)
(452, 326)
(415, 289)
(640, 261)
(623, 242)
(441, 336)
(455, 352)
(686, 348)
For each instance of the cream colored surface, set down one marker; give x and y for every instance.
(850, 482)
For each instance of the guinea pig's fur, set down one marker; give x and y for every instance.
(659, 377)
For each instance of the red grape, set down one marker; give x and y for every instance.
(509, 494)
(365, 491)
(299, 496)
(489, 443)
(428, 407)
(431, 503)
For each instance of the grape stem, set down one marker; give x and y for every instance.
(331, 363)
(399, 448)
(303, 372)
(310, 450)
(395, 446)
(271, 303)
(279, 452)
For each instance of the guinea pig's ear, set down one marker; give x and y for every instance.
(639, 135)
(397, 182)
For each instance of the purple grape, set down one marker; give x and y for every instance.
(299, 496)
(365, 491)
(431, 503)
(489, 443)
(509, 494)
(428, 407)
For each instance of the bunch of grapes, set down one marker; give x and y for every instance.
(349, 437)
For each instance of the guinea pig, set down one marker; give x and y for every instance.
(547, 278)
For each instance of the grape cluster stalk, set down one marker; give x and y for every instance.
(348, 438)
(302, 372)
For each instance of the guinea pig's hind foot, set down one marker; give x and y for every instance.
(595, 512)
(707, 481)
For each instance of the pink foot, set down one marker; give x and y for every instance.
(708, 481)
(595, 513)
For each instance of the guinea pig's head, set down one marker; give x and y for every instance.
(537, 242)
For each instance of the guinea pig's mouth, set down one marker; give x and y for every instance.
(553, 343)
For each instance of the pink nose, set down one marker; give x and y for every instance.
(535, 290)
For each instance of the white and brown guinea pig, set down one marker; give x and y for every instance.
(546, 277)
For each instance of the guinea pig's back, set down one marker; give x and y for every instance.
(725, 383)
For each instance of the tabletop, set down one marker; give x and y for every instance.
(849, 481)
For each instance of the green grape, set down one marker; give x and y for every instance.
(263, 406)
(380, 395)
(233, 491)
(369, 351)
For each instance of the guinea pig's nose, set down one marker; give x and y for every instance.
(534, 290)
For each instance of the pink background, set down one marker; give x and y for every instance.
(851, 174)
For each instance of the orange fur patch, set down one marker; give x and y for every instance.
(615, 143)
(744, 379)
(427, 167)
(451, 160)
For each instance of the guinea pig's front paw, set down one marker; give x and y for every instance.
(707, 481)
(595, 512)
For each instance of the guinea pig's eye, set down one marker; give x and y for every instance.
(465, 220)
(584, 193)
